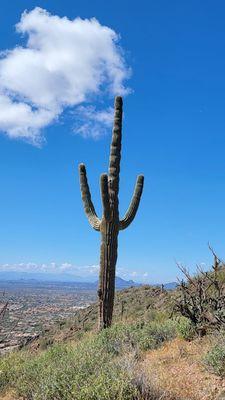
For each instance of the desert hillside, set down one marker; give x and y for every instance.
(151, 352)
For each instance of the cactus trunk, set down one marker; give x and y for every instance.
(110, 224)
(108, 258)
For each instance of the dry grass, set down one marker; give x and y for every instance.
(9, 396)
(177, 369)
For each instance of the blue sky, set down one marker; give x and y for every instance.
(174, 133)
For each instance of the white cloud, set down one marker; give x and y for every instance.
(64, 63)
(86, 272)
(52, 268)
(91, 122)
(137, 276)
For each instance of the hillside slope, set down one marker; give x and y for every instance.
(143, 356)
(142, 303)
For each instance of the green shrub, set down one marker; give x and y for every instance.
(45, 342)
(155, 315)
(154, 334)
(10, 367)
(141, 336)
(99, 367)
(64, 372)
(185, 328)
(215, 359)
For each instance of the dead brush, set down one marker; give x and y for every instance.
(201, 299)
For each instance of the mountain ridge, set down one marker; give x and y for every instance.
(38, 277)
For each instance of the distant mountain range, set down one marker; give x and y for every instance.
(67, 278)
(38, 276)
(58, 278)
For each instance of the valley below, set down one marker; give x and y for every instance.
(31, 308)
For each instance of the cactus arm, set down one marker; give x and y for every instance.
(86, 197)
(115, 154)
(105, 196)
(131, 212)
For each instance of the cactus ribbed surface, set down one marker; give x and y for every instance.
(110, 224)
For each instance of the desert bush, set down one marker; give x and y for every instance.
(154, 334)
(140, 336)
(64, 372)
(102, 366)
(156, 315)
(185, 328)
(45, 342)
(214, 360)
(201, 298)
(10, 366)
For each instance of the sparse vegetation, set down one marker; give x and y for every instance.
(140, 304)
(74, 362)
(100, 366)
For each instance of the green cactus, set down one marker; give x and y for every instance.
(110, 224)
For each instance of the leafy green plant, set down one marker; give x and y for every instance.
(185, 328)
(215, 359)
(155, 334)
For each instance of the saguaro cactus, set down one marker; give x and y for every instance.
(110, 224)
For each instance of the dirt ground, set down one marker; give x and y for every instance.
(177, 368)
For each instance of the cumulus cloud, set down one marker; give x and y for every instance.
(63, 64)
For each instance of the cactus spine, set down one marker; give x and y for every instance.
(110, 224)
